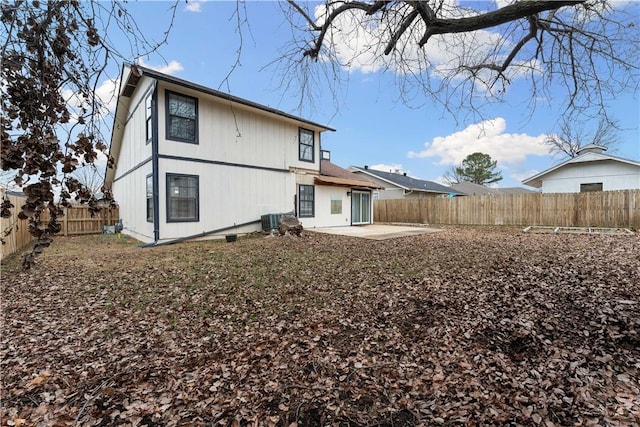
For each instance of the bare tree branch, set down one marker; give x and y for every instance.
(451, 176)
(465, 57)
(369, 8)
(509, 13)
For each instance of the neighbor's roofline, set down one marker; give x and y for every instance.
(367, 171)
(206, 90)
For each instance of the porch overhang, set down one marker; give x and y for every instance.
(344, 182)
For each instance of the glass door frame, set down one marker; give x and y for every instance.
(357, 202)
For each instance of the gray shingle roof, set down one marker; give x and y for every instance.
(408, 182)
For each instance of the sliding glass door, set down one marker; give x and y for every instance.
(360, 207)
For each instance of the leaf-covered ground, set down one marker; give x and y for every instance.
(470, 326)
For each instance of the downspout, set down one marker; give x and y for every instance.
(195, 236)
(154, 164)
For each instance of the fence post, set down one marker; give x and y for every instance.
(65, 223)
(634, 208)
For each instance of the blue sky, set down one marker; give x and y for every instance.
(373, 125)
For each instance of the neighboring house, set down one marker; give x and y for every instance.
(401, 186)
(590, 170)
(191, 162)
(472, 189)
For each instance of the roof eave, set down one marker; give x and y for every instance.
(245, 102)
(533, 182)
(117, 129)
(344, 182)
(366, 171)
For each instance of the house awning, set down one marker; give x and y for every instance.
(344, 182)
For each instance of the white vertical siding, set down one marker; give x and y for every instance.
(236, 135)
(130, 193)
(228, 195)
(323, 216)
(612, 174)
(229, 137)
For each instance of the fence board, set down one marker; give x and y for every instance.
(15, 231)
(76, 221)
(596, 209)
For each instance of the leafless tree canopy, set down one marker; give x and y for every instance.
(466, 56)
(573, 135)
(92, 178)
(451, 176)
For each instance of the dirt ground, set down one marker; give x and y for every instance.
(469, 326)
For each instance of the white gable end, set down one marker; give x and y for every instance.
(588, 157)
(611, 174)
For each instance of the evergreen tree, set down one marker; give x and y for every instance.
(479, 169)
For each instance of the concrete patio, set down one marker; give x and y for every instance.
(376, 231)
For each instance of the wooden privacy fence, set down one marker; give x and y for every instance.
(596, 209)
(76, 220)
(19, 236)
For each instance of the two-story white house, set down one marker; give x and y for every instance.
(191, 162)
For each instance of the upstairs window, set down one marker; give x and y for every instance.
(306, 148)
(182, 118)
(148, 115)
(182, 198)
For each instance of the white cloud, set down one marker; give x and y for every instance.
(395, 168)
(441, 180)
(106, 95)
(487, 137)
(100, 162)
(502, 3)
(101, 159)
(193, 6)
(522, 175)
(170, 68)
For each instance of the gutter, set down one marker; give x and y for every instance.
(195, 236)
